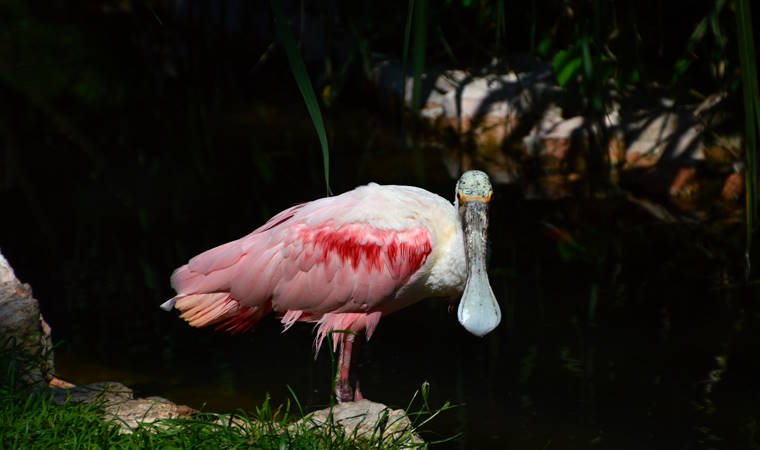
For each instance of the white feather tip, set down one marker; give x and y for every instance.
(169, 304)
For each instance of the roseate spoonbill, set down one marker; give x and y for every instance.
(343, 262)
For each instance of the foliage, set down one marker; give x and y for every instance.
(717, 54)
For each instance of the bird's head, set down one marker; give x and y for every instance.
(478, 310)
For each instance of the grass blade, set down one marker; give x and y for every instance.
(405, 53)
(304, 84)
(418, 64)
(501, 25)
(751, 119)
(447, 47)
(418, 56)
(295, 398)
(404, 59)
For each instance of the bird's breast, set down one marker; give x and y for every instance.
(447, 270)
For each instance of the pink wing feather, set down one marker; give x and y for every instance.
(306, 265)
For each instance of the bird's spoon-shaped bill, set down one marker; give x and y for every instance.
(478, 311)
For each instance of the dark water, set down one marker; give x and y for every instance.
(639, 337)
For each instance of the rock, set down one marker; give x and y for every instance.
(22, 327)
(59, 383)
(733, 186)
(654, 137)
(522, 128)
(131, 413)
(109, 391)
(487, 106)
(684, 184)
(120, 405)
(365, 419)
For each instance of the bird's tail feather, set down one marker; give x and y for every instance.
(217, 308)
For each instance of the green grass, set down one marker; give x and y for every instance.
(29, 419)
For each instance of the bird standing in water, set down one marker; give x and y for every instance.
(344, 262)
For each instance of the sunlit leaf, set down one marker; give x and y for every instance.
(679, 68)
(566, 65)
(714, 23)
(697, 34)
(561, 58)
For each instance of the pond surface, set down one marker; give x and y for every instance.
(633, 335)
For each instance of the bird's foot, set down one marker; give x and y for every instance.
(344, 392)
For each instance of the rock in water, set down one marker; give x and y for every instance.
(23, 332)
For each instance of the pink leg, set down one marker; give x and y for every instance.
(349, 348)
(355, 351)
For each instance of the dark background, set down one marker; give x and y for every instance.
(134, 135)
